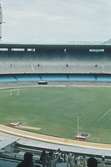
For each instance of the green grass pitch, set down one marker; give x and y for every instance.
(55, 110)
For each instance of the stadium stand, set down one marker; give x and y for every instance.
(12, 150)
(50, 158)
(38, 59)
(19, 63)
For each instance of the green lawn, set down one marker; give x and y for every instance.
(55, 110)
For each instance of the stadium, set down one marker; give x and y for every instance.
(55, 97)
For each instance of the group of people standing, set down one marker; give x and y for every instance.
(52, 159)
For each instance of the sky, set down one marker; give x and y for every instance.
(55, 21)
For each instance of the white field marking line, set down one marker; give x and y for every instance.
(27, 127)
(53, 86)
(106, 113)
(30, 86)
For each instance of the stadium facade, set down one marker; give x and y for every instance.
(28, 62)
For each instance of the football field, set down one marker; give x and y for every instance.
(56, 110)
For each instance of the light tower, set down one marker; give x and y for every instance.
(1, 20)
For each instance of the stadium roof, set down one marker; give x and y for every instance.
(76, 149)
(6, 139)
(52, 46)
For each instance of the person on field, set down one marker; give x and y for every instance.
(92, 162)
(27, 162)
